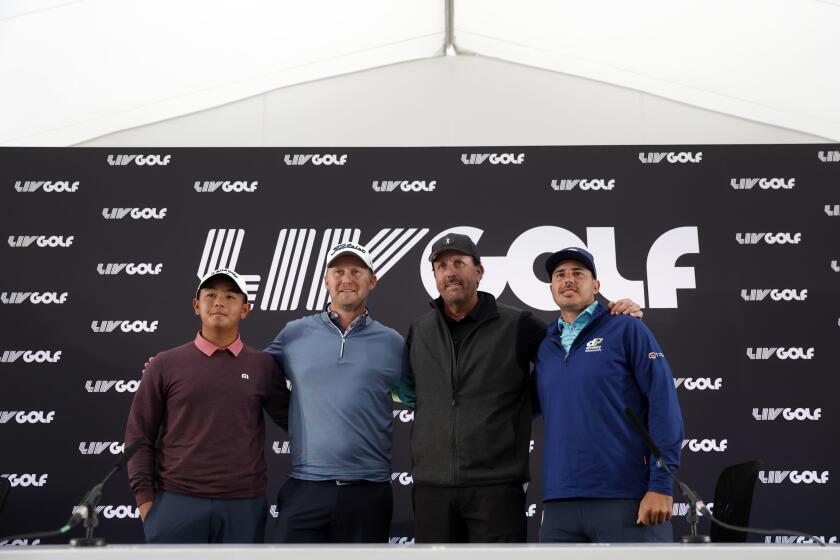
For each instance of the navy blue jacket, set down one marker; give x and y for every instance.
(591, 450)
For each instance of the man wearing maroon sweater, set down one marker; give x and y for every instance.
(200, 474)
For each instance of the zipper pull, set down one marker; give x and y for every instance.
(341, 351)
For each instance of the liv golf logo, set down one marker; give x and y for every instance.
(46, 186)
(493, 159)
(775, 294)
(315, 159)
(671, 157)
(780, 353)
(405, 186)
(795, 477)
(41, 240)
(583, 184)
(768, 238)
(139, 159)
(764, 183)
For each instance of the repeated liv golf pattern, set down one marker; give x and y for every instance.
(725, 246)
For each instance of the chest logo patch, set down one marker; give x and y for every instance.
(594, 345)
(245, 376)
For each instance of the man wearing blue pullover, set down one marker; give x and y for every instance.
(342, 365)
(600, 483)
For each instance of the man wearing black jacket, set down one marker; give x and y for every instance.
(470, 360)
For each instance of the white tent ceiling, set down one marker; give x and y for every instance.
(74, 70)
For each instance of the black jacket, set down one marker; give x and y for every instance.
(472, 422)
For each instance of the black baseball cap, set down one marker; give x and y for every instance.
(570, 253)
(454, 242)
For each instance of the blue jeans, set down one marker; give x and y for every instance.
(599, 521)
(178, 518)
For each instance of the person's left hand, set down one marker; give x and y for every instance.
(625, 307)
(655, 508)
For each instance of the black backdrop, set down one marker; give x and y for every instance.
(733, 250)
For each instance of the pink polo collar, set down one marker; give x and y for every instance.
(208, 348)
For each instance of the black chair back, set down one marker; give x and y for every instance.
(733, 500)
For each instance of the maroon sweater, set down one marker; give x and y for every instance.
(200, 420)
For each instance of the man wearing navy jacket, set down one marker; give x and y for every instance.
(600, 483)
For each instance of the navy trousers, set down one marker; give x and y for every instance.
(178, 518)
(310, 511)
(599, 521)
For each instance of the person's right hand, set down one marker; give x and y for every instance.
(144, 509)
(149, 362)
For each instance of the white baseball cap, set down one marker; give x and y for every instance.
(237, 279)
(348, 248)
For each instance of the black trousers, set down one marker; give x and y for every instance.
(328, 512)
(470, 514)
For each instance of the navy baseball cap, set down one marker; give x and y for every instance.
(570, 253)
(454, 242)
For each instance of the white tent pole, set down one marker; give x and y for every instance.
(449, 37)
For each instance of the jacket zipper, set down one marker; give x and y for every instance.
(343, 340)
(453, 379)
(453, 375)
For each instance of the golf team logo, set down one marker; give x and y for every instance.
(594, 345)
(226, 186)
(281, 447)
(24, 417)
(775, 183)
(14, 298)
(98, 447)
(119, 385)
(795, 477)
(134, 213)
(493, 159)
(705, 445)
(829, 157)
(781, 353)
(761, 294)
(25, 480)
(832, 210)
(47, 186)
(315, 159)
(769, 238)
(30, 356)
(790, 414)
(41, 240)
(583, 184)
(698, 383)
(139, 159)
(405, 186)
(671, 157)
(140, 269)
